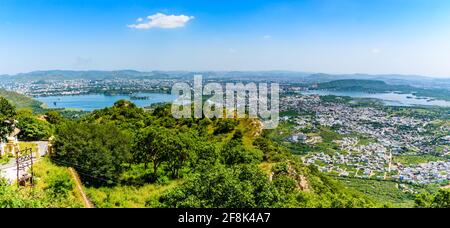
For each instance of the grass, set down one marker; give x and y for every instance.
(289, 113)
(129, 196)
(363, 141)
(27, 145)
(266, 167)
(384, 191)
(247, 126)
(5, 159)
(415, 160)
(21, 101)
(49, 177)
(283, 130)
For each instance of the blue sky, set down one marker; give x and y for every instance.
(331, 36)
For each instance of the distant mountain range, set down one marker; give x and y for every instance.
(282, 76)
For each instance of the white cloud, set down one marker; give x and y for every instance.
(161, 20)
(376, 51)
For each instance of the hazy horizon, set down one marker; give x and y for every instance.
(227, 71)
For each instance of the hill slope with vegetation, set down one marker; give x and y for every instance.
(128, 157)
(375, 86)
(21, 101)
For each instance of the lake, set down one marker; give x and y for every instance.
(390, 99)
(92, 102)
(98, 101)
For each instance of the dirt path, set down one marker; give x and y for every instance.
(86, 201)
(446, 187)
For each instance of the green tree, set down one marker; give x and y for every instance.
(441, 199)
(204, 156)
(53, 117)
(124, 114)
(158, 145)
(224, 126)
(154, 145)
(96, 151)
(182, 144)
(7, 115)
(32, 128)
(234, 152)
(221, 187)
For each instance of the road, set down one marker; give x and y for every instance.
(9, 171)
(42, 147)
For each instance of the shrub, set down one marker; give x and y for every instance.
(96, 151)
(31, 128)
(221, 187)
(59, 184)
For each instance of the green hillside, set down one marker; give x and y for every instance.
(130, 157)
(21, 101)
(375, 86)
(361, 85)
